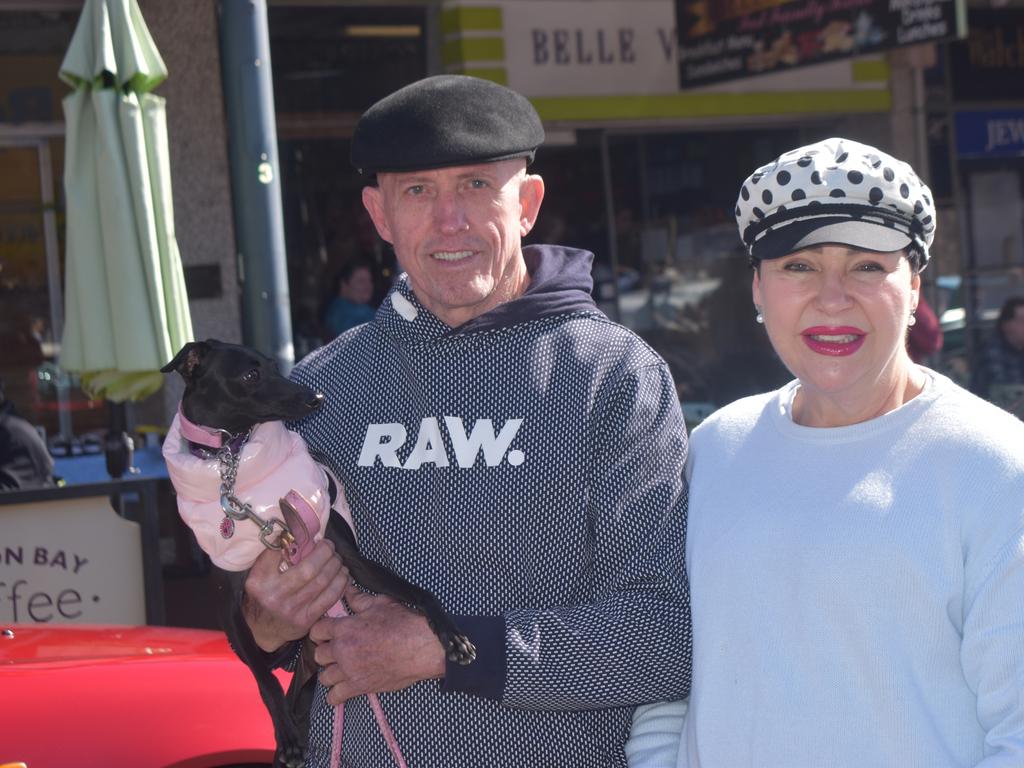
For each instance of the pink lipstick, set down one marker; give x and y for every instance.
(834, 341)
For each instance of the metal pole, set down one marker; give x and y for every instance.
(255, 185)
(968, 284)
(52, 244)
(609, 211)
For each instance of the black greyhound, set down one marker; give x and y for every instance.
(232, 388)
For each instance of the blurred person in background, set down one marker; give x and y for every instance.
(856, 538)
(350, 305)
(24, 460)
(1001, 362)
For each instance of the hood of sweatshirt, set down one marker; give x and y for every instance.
(560, 283)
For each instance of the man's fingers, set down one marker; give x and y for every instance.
(320, 557)
(324, 589)
(321, 632)
(313, 585)
(338, 695)
(282, 605)
(340, 688)
(357, 599)
(264, 566)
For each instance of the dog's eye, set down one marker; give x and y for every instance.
(252, 377)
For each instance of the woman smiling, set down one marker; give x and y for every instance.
(856, 538)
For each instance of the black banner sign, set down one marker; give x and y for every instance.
(989, 65)
(729, 39)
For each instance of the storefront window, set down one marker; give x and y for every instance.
(330, 64)
(32, 46)
(979, 128)
(678, 275)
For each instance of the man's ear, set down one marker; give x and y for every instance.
(188, 359)
(531, 195)
(373, 201)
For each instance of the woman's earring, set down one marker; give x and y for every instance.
(911, 320)
(759, 317)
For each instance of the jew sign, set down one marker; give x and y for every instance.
(71, 561)
(729, 39)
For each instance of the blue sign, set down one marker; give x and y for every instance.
(990, 133)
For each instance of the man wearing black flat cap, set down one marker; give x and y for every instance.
(501, 443)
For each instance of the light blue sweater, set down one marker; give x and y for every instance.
(857, 592)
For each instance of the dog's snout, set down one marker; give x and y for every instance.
(315, 401)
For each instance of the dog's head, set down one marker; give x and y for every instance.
(231, 387)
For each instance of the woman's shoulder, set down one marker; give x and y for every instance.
(974, 425)
(737, 419)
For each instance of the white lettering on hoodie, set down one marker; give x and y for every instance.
(382, 441)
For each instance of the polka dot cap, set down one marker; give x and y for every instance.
(835, 191)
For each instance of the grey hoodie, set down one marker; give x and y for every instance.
(526, 467)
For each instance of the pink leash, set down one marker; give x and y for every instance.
(300, 526)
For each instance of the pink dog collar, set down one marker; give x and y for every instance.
(211, 438)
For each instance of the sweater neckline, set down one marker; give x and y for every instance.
(781, 409)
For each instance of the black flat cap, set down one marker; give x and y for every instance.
(443, 121)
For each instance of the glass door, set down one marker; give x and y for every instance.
(31, 296)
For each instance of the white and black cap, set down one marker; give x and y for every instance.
(835, 191)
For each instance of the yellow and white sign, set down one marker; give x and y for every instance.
(599, 60)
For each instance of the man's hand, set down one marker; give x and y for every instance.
(384, 646)
(282, 606)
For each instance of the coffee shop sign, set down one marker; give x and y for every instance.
(70, 561)
(23, 602)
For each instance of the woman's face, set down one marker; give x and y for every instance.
(1013, 329)
(359, 286)
(838, 318)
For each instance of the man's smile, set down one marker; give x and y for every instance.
(451, 255)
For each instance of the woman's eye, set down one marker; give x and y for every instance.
(870, 266)
(478, 184)
(415, 189)
(796, 266)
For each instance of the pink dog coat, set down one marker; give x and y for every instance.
(274, 461)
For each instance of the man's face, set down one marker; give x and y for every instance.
(457, 232)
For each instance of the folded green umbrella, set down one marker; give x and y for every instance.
(126, 310)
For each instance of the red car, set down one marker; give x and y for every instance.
(128, 697)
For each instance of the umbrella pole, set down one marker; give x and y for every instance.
(118, 446)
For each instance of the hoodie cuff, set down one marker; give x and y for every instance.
(485, 675)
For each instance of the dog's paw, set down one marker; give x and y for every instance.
(460, 649)
(290, 756)
(457, 647)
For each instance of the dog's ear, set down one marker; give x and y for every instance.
(187, 359)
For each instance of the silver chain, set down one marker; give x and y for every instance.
(236, 509)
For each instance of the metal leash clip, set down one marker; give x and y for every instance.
(235, 509)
